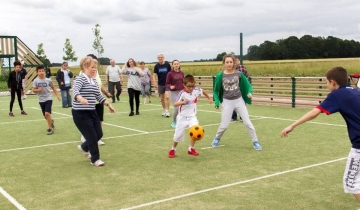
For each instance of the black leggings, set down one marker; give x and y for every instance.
(18, 93)
(134, 93)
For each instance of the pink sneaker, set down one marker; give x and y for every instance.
(11, 114)
(172, 153)
(23, 112)
(193, 152)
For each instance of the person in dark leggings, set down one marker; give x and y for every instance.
(15, 87)
(134, 84)
(86, 92)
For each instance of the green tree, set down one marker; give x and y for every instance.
(97, 44)
(69, 53)
(220, 56)
(41, 54)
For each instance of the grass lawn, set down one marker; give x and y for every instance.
(48, 172)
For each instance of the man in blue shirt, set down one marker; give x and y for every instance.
(161, 69)
(346, 101)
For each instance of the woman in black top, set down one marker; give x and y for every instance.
(15, 86)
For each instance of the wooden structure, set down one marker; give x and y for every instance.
(12, 49)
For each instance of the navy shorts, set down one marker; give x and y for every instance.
(100, 111)
(46, 106)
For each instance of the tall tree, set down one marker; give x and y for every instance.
(97, 44)
(41, 53)
(69, 52)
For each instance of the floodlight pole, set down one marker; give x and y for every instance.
(241, 49)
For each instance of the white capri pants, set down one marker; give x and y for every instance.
(181, 123)
(351, 179)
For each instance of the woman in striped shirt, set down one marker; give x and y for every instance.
(86, 93)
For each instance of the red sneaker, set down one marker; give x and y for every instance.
(193, 152)
(23, 112)
(11, 114)
(172, 153)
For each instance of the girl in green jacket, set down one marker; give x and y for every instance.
(233, 90)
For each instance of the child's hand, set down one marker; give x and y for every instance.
(9, 89)
(40, 89)
(172, 87)
(58, 98)
(108, 95)
(249, 95)
(286, 131)
(210, 100)
(185, 101)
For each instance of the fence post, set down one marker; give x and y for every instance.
(293, 91)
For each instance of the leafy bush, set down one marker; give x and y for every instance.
(4, 77)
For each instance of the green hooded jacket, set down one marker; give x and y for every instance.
(245, 88)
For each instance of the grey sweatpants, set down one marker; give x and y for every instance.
(173, 96)
(239, 106)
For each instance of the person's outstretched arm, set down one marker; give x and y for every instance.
(308, 116)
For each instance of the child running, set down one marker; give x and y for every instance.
(233, 90)
(186, 102)
(42, 87)
(346, 100)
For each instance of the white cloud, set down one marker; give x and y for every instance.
(184, 30)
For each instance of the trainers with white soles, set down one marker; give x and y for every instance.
(215, 142)
(98, 163)
(257, 146)
(101, 142)
(86, 154)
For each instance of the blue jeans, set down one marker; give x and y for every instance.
(65, 97)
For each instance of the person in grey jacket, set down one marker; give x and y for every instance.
(134, 84)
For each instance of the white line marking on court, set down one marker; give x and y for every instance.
(276, 118)
(213, 147)
(11, 199)
(232, 184)
(118, 126)
(23, 121)
(146, 110)
(318, 123)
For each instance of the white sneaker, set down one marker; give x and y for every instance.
(86, 154)
(163, 114)
(167, 114)
(98, 163)
(101, 142)
(82, 139)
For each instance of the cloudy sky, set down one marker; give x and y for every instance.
(180, 29)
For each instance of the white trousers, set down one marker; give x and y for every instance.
(227, 108)
(181, 124)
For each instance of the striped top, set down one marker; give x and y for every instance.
(88, 89)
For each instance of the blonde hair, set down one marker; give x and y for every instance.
(86, 62)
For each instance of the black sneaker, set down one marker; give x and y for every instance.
(137, 113)
(117, 97)
(131, 114)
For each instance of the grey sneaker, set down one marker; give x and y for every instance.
(50, 131)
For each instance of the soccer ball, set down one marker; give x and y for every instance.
(196, 132)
